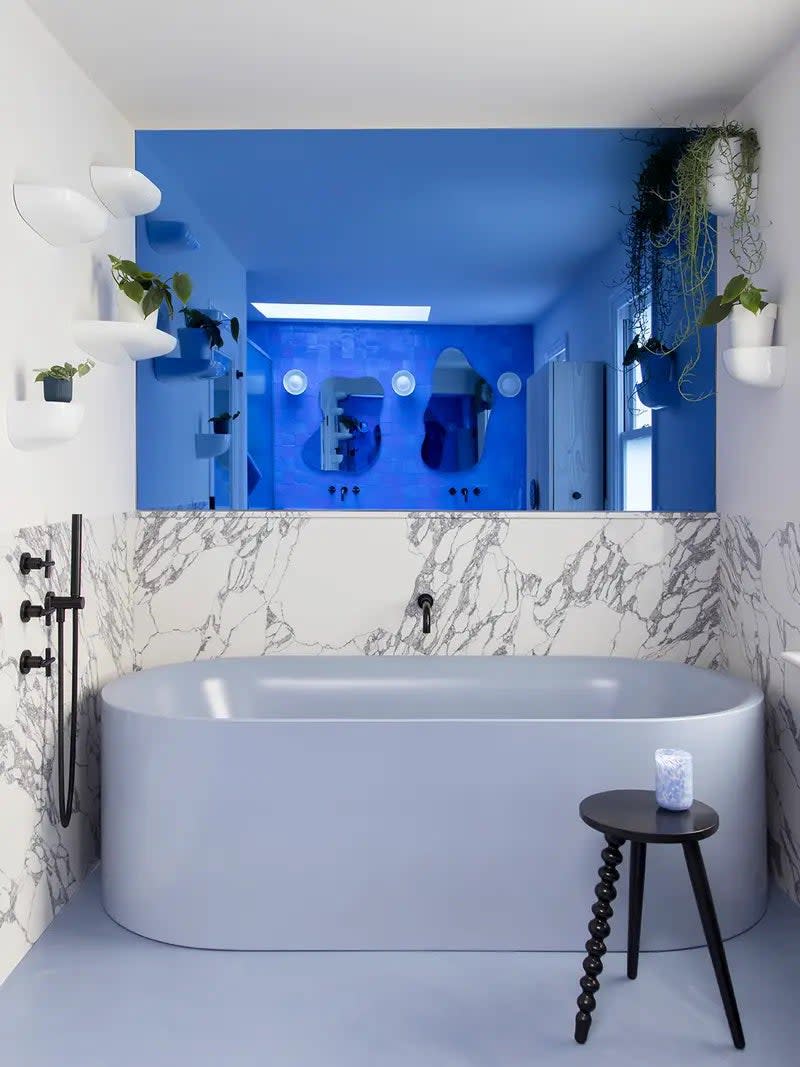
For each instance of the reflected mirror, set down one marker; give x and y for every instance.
(457, 415)
(441, 319)
(348, 440)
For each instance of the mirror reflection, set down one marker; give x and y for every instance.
(457, 415)
(438, 319)
(348, 440)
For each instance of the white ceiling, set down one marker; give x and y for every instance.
(204, 64)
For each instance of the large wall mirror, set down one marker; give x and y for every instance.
(424, 320)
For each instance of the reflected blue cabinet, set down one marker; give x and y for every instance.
(565, 437)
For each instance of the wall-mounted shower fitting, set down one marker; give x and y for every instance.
(28, 611)
(28, 563)
(28, 662)
(59, 606)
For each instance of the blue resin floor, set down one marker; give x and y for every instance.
(90, 994)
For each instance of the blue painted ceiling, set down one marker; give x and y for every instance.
(486, 226)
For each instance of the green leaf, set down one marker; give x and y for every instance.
(128, 266)
(168, 299)
(235, 328)
(715, 312)
(151, 302)
(133, 290)
(751, 300)
(40, 377)
(182, 284)
(734, 289)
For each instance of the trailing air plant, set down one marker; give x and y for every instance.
(692, 231)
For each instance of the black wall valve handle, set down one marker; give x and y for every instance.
(28, 611)
(28, 662)
(28, 563)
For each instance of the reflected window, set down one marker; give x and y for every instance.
(349, 437)
(634, 419)
(457, 415)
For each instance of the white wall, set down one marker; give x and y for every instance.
(758, 432)
(56, 124)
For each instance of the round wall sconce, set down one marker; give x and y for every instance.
(509, 384)
(404, 383)
(295, 382)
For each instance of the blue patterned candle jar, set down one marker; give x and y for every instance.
(674, 783)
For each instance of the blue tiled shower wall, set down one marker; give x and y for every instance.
(399, 478)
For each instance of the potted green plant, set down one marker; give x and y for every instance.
(142, 292)
(57, 380)
(752, 317)
(203, 332)
(222, 423)
(657, 389)
(728, 151)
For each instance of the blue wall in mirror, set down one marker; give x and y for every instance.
(400, 478)
(512, 236)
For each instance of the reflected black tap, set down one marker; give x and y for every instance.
(425, 601)
(343, 492)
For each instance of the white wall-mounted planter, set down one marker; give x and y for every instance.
(752, 331)
(125, 192)
(764, 368)
(721, 188)
(129, 311)
(59, 215)
(117, 342)
(35, 424)
(211, 445)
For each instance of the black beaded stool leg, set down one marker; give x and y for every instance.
(599, 929)
(635, 905)
(708, 917)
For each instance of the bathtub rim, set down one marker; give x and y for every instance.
(751, 698)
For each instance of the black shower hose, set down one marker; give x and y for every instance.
(65, 802)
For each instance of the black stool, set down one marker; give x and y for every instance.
(633, 815)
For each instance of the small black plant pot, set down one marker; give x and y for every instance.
(222, 425)
(57, 390)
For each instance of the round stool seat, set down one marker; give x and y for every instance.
(634, 815)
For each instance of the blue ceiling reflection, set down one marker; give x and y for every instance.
(486, 226)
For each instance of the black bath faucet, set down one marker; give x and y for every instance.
(425, 601)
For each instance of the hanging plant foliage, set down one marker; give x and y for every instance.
(671, 237)
(650, 277)
(692, 230)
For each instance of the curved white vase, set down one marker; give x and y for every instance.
(35, 424)
(125, 192)
(752, 331)
(60, 216)
(129, 311)
(117, 342)
(763, 367)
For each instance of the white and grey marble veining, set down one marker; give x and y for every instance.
(164, 587)
(760, 619)
(41, 864)
(243, 584)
